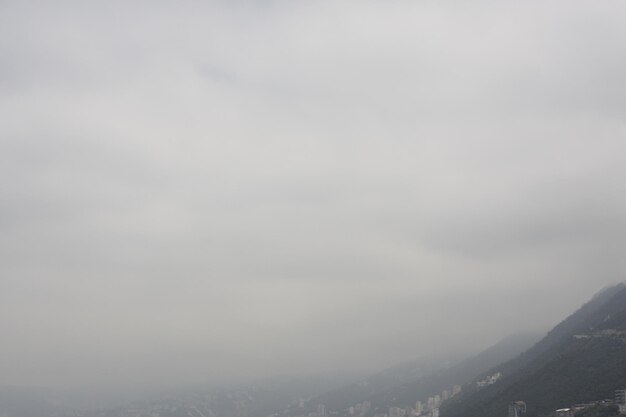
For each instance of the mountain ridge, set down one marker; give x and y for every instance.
(583, 358)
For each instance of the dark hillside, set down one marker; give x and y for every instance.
(461, 373)
(582, 359)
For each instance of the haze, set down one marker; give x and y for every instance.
(206, 191)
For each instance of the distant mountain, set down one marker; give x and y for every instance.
(376, 385)
(407, 383)
(467, 370)
(582, 359)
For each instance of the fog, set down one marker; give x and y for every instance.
(207, 191)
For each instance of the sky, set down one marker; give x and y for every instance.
(194, 191)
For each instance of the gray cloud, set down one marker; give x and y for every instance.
(216, 190)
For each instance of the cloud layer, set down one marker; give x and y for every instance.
(209, 190)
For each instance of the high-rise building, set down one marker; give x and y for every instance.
(620, 400)
(396, 412)
(445, 395)
(437, 401)
(431, 403)
(456, 389)
(517, 409)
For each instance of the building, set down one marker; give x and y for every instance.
(396, 412)
(620, 400)
(517, 409)
(445, 395)
(564, 412)
(431, 403)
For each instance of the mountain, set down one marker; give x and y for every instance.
(375, 385)
(583, 359)
(407, 383)
(407, 394)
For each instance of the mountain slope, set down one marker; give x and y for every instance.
(582, 359)
(404, 384)
(376, 385)
(467, 370)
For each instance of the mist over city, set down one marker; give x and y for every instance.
(308, 195)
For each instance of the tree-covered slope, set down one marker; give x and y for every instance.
(406, 394)
(582, 359)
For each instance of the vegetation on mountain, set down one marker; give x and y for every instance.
(583, 359)
(599, 410)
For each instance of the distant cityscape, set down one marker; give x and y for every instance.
(428, 407)
(204, 406)
(568, 373)
(519, 408)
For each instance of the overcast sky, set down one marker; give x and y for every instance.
(234, 189)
